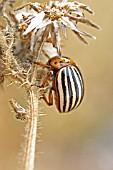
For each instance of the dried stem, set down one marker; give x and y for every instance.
(29, 156)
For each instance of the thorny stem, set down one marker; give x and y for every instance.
(29, 156)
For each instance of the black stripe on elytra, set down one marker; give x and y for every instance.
(76, 86)
(69, 88)
(81, 83)
(63, 88)
(58, 94)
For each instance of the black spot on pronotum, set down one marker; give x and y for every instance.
(55, 62)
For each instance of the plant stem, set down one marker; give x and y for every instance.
(29, 156)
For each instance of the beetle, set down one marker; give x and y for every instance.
(67, 83)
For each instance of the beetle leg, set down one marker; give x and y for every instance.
(50, 97)
(38, 63)
(50, 102)
(48, 76)
(41, 64)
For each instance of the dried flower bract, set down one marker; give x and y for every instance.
(49, 19)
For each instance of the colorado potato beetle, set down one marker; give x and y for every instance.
(67, 83)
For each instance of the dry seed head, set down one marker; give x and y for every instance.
(48, 19)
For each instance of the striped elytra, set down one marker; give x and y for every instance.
(69, 88)
(67, 83)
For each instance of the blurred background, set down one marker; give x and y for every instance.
(82, 139)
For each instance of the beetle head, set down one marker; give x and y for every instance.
(57, 63)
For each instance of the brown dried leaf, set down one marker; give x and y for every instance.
(21, 113)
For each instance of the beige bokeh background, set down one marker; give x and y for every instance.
(83, 139)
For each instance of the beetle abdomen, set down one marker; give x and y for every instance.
(69, 88)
